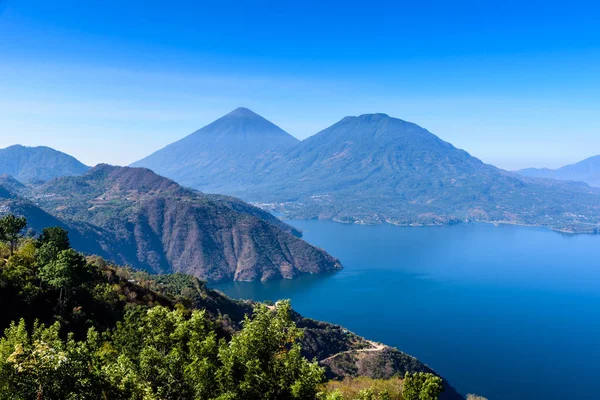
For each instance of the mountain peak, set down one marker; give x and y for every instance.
(225, 150)
(130, 178)
(374, 116)
(243, 112)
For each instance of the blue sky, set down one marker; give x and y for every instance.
(516, 84)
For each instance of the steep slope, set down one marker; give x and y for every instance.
(221, 154)
(152, 223)
(107, 295)
(28, 164)
(245, 208)
(342, 353)
(587, 171)
(373, 169)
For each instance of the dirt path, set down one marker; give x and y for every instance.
(374, 347)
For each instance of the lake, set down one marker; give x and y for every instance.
(506, 312)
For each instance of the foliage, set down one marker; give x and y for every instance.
(264, 360)
(120, 334)
(44, 366)
(415, 386)
(363, 388)
(66, 272)
(159, 353)
(57, 236)
(11, 228)
(421, 386)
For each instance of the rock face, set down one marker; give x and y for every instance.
(149, 222)
(374, 169)
(222, 154)
(30, 164)
(587, 171)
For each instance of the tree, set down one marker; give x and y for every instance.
(11, 229)
(264, 360)
(52, 241)
(422, 386)
(66, 272)
(20, 271)
(56, 235)
(44, 366)
(163, 354)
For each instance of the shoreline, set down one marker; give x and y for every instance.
(283, 217)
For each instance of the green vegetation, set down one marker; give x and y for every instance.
(414, 386)
(421, 386)
(364, 388)
(11, 228)
(79, 329)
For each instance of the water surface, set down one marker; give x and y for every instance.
(506, 312)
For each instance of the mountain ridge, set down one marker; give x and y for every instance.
(587, 171)
(373, 168)
(41, 163)
(149, 222)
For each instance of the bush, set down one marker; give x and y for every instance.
(363, 388)
(422, 386)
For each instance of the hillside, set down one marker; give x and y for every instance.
(31, 164)
(135, 217)
(218, 156)
(587, 171)
(375, 169)
(109, 332)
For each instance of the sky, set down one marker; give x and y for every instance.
(516, 84)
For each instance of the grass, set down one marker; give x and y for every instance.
(350, 388)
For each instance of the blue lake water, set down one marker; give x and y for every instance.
(505, 312)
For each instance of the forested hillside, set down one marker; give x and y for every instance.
(79, 328)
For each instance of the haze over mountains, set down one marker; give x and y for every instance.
(133, 216)
(28, 164)
(373, 169)
(587, 171)
(224, 152)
